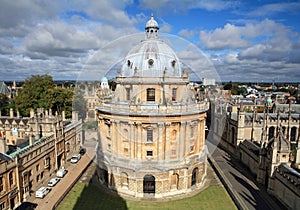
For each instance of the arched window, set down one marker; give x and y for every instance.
(293, 133)
(271, 132)
(149, 184)
(124, 180)
(194, 177)
(174, 181)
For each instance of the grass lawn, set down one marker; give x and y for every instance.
(88, 196)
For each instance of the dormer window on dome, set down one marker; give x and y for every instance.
(152, 28)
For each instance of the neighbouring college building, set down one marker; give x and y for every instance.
(152, 127)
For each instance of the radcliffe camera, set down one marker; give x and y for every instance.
(150, 105)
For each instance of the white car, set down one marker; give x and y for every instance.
(53, 182)
(75, 158)
(42, 192)
(61, 172)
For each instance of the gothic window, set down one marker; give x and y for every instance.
(128, 94)
(150, 94)
(174, 94)
(293, 133)
(149, 135)
(271, 132)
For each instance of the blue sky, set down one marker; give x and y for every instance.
(251, 40)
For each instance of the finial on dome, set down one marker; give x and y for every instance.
(151, 28)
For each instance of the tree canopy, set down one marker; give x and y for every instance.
(40, 91)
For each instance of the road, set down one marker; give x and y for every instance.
(251, 194)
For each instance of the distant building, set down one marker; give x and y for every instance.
(208, 81)
(89, 90)
(152, 137)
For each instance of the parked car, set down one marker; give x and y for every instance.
(53, 181)
(75, 158)
(42, 192)
(61, 172)
(82, 151)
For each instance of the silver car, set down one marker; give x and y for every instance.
(53, 181)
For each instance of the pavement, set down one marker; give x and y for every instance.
(251, 194)
(66, 183)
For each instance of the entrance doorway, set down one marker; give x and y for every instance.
(149, 184)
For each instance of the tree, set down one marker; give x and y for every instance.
(35, 93)
(41, 92)
(4, 103)
(79, 103)
(61, 100)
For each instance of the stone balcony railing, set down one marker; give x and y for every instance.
(153, 108)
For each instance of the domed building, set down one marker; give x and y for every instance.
(152, 129)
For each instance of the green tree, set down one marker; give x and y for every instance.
(4, 103)
(35, 93)
(41, 92)
(79, 103)
(61, 100)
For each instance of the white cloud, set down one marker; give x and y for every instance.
(270, 9)
(187, 33)
(110, 11)
(178, 6)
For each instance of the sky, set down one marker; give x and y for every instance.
(248, 41)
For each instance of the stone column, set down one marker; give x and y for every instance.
(159, 141)
(131, 140)
(139, 141)
(182, 140)
(167, 139)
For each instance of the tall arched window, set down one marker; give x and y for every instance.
(293, 133)
(124, 180)
(194, 176)
(174, 181)
(149, 184)
(271, 132)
